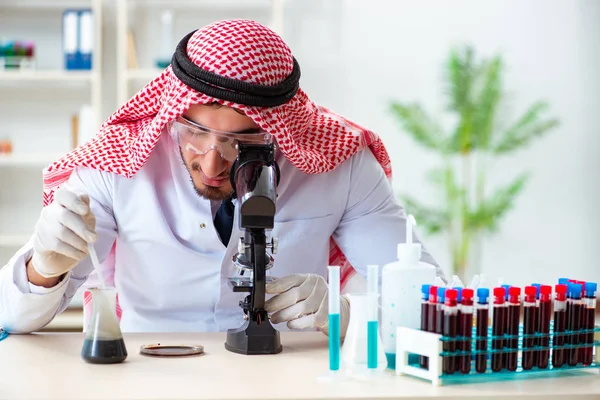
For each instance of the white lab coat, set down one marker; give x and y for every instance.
(171, 268)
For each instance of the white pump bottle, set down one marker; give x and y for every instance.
(401, 291)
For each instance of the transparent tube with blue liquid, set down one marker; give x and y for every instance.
(373, 316)
(334, 318)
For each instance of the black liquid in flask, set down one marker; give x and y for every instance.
(104, 342)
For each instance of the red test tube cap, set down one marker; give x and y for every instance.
(545, 292)
(499, 292)
(499, 295)
(531, 292)
(433, 294)
(451, 294)
(468, 293)
(561, 292)
(514, 291)
(545, 289)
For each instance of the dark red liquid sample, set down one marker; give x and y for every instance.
(423, 360)
(481, 343)
(529, 326)
(512, 329)
(450, 326)
(450, 329)
(104, 351)
(589, 320)
(431, 317)
(567, 352)
(466, 326)
(536, 323)
(573, 339)
(465, 330)
(439, 319)
(545, 311)
(560, 324)
(498, 329)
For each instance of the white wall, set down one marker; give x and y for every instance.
(395, 50)
(356, 56)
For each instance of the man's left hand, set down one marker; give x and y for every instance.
(301, 300)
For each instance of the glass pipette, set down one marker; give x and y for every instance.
(96, 264)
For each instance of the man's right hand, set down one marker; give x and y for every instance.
(62, 234)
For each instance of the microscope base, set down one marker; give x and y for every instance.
(252, 338)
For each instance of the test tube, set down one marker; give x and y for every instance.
(450, 326)
(439, 318)
(544, 326)
(560, 324)
(465, 324)
(582, 323)
(529, 324)
(458, 328)
(569, 312)
(432, 313)
(512, 327)
(536, 340)
(590, 321)
(482, 316)
(373, 316)
(424, 360)
(575, 323)
(498, 328)
(506, 291)
(334, 317)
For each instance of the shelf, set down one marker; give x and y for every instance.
(207, 4)
(142, 74)
(46, 76)
(44, 4)
(13, 240)
(29, 160)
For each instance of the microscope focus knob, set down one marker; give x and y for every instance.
(274, 244)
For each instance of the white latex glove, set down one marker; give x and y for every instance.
(62, 233)
(301, 300)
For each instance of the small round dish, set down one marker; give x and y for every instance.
(165, 350)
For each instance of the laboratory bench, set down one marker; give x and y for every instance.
(48, 365)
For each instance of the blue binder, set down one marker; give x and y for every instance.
(78, 39)
(70, 28)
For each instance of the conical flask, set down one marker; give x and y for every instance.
(104, 342)
(354, 349)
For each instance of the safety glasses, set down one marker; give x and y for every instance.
(199, 140)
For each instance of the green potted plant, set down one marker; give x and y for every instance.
(466, 208)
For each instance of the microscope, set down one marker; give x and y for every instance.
(254, 178)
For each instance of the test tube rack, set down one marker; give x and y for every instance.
(431, 345)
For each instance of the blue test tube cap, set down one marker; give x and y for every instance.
(506, 287)
(425, 291)
(537, 289)
(441, 295)
(459, 293)
(482, 295)
(563, 281)
(575, 290)
(590, 289)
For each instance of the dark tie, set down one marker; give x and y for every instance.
(224, 220)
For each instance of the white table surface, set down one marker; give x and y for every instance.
(49, 366)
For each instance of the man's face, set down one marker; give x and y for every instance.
(210, 172)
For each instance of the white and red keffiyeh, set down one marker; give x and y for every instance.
(311, 137)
